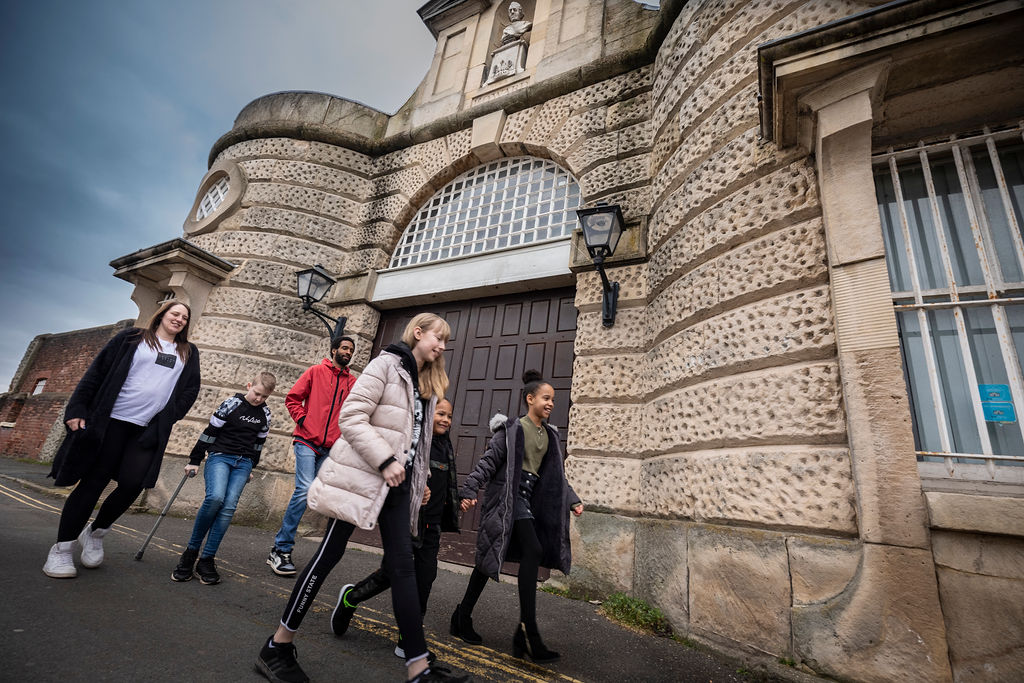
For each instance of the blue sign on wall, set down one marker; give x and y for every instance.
(995, 392)
(997, 403)
(999, 412)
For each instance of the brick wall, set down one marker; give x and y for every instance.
(60, 359)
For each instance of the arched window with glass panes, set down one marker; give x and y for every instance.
(505, 204)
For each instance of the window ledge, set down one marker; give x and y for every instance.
(976, 507)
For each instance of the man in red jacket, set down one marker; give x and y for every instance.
(314, 403)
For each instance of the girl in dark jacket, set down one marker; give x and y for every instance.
(119, 419)
(524, 516)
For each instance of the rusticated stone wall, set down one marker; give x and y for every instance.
(708, 432)
(301, 206)
(723, 357)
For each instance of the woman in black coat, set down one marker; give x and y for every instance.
(524, 516)
(119, 420)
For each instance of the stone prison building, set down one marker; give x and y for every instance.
(799, 439)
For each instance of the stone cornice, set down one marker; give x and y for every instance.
(166, 251)
(440, 14)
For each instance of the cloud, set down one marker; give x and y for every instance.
(111, 108)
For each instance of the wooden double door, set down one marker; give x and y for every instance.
(493, 342)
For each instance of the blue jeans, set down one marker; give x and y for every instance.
(307, 464)
(226, 476)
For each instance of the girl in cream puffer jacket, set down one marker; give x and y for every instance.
(377, 427)
(376, 475)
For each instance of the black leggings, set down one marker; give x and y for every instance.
(525, 534)
(398, 562)
(81, 502)
(425, 562)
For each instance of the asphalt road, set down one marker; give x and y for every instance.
(127, 621)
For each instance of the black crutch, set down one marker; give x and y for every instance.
(189, 473)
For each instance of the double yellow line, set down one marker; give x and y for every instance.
(474, 659)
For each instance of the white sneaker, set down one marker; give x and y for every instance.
(60, 563)
(92, 546)
(399, 651)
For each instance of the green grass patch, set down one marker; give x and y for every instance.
(635, 613)
(683, 640)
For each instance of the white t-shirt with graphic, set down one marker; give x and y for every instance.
(150, 383)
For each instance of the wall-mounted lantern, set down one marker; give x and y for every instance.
(313, 285)
(602, 228)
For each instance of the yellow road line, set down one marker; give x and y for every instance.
(475, 659)
(28, 500)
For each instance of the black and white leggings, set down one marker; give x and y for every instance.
(398, 562)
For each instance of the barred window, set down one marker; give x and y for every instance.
(213, 198)
(504, 204)
(951, 216)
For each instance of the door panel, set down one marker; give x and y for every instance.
(493, 342)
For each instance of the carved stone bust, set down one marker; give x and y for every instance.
(518, 27)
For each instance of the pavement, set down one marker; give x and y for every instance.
(127, 621)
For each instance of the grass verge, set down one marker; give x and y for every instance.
(635, 613)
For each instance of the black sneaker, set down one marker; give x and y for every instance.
(342, 614)
(281, 563)
(435, 674)
(207, 571)
(187, 563)
(431, 657)
(280, 663)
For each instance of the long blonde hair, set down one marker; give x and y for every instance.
(433, 378)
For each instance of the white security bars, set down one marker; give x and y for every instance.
(507, 203)
(951, 216)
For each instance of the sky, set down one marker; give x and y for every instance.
(108, 111)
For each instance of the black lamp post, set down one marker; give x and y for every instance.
(602, 228)
(313, 285)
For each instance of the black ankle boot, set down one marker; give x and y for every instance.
(462, 627)
(530, 644)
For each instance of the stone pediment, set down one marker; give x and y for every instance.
(440, 14)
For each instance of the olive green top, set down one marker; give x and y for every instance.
(535, 444)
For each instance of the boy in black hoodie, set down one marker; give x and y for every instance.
(438, 513)
(234, 438)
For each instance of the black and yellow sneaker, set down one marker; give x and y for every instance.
(343, 611)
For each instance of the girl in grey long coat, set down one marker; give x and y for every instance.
(524, 516)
